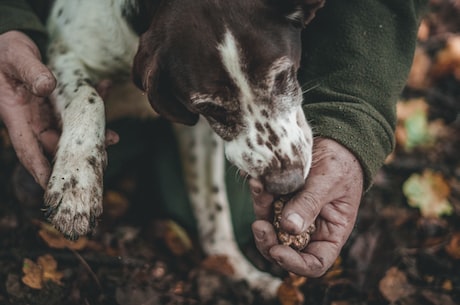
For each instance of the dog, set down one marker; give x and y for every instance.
(224, 71)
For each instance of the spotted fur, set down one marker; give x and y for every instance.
(194, 59)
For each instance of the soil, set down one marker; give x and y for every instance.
(397, 253)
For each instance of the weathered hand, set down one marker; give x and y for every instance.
(24, 82)
(330, 199)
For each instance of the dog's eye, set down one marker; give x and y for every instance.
(281, 83)
(281, 80)
(212, 111)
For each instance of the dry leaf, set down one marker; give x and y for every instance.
(447, 60)
(115, 204)
(219, 264)
(36, 274)
(33, 274)
(429, 193)
(55, 239)
(447, 285)
(421, 65)
(177, 239)
(453, 247)
(395, 286)
(423, 31)
(412, 128)
(289, 292)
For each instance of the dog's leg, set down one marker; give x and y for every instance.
(74, 193)
(202, 153)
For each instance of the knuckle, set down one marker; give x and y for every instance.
(310, 203)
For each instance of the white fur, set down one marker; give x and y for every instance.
(232, 62)
(91, 37)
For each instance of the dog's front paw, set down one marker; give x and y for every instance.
(73, 197)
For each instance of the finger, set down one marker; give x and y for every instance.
(103, 88)
(264, 237)
(23, 63)
(262, 201)
(26, 145)
(316, 259)
(111, 137)
(302, 210)
(49, 139)
(34, 75)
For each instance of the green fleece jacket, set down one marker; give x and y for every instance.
(356, 57)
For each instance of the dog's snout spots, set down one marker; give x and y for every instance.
(272, 136)
(259, 128)
(264, 114)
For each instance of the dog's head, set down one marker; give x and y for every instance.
(235, 63)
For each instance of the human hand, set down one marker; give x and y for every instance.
(24, 82)
(330, 199)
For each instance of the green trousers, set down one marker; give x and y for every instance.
(150, 146)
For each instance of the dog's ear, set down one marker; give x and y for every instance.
(300, 11)
(148, 77)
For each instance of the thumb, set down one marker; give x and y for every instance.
(30, 71)
(301, 211)
(23, 63)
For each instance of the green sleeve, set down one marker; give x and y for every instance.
(356, 58)
(25, 16)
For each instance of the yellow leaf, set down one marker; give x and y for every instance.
(115, 204)
(219, 264)
(394, 285)
(177, 239)
(429, 192)
(453, 247)
(54, 239)
(49, 267)
(289, 292)
(35, 274)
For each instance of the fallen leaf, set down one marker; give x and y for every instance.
(219, 264)
(447, 60)
(453, 247)
(394, 285)
(447, 285)
(289, 292)
(33, 274)
(177, 239)
(36, 274)
(115, 204)
(412, 128)
(418, 75)
(55, 239)
(428, 192)
(49, 266)
(423, 31)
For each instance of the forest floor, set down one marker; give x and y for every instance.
(404, 250)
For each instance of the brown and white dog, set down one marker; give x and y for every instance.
(228, 67)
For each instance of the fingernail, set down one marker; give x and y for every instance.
(259, 235)
(296, 220)
(42, 85)
(256, 190)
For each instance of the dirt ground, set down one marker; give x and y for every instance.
(404, 250)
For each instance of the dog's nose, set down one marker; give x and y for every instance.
(282, 183)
